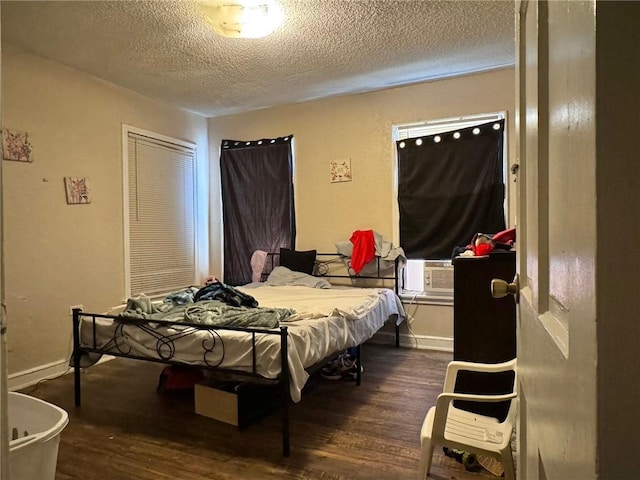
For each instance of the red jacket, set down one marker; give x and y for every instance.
(364, 249)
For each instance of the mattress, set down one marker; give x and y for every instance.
(326, 321)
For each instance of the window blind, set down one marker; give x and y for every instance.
(434, 127)
(161, 216)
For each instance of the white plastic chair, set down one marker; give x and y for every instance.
(451, 427)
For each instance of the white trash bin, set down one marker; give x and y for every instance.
(34, 434)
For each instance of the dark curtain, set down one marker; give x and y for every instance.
(449, 189)
(257, 202)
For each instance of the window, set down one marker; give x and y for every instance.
(429, 273)
(257, 201)
(160, 209)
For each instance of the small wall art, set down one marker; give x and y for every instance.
(340, 170)
(77, 189)
(17, 145)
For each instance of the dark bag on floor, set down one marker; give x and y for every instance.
(174, 377)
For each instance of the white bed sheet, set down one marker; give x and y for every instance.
(311, 337)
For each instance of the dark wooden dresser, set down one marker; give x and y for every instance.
(484, 328)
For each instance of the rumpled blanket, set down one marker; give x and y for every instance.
(205, 312)
(181, 297)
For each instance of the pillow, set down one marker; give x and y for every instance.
(281, 276)
(258, 260)
(298, 261)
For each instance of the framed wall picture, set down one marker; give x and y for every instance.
(340, 170)
(77, 190)
(17, 146)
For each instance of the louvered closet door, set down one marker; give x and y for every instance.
(161, 216)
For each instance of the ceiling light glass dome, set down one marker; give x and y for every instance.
(243, 18)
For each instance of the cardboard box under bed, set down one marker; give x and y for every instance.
(236, 403)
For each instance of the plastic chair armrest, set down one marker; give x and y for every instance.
(449, 397)
(455, 366)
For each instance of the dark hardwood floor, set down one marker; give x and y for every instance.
(126, 430)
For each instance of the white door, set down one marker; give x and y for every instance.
(578, 111)
(556, 241)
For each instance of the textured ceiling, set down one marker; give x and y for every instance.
(167, 50)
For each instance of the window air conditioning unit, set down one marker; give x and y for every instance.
(438, 279)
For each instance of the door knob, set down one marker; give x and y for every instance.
(500, 288)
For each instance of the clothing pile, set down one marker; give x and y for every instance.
(483, 244)
(362, 248)
(215, 304)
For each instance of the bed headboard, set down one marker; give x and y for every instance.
(336, 266)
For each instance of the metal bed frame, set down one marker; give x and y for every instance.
(212, 347)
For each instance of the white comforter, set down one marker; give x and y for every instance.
(350, 303)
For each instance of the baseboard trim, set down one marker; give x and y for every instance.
(422, 342)
(49, 371)
(32, 376)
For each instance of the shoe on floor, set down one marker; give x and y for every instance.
(352, 372)
(342, 367)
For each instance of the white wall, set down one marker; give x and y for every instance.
(57, 255)
(359, 127)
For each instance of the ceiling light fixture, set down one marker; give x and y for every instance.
(243, 18)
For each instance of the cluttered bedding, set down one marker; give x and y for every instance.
(320, 319)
